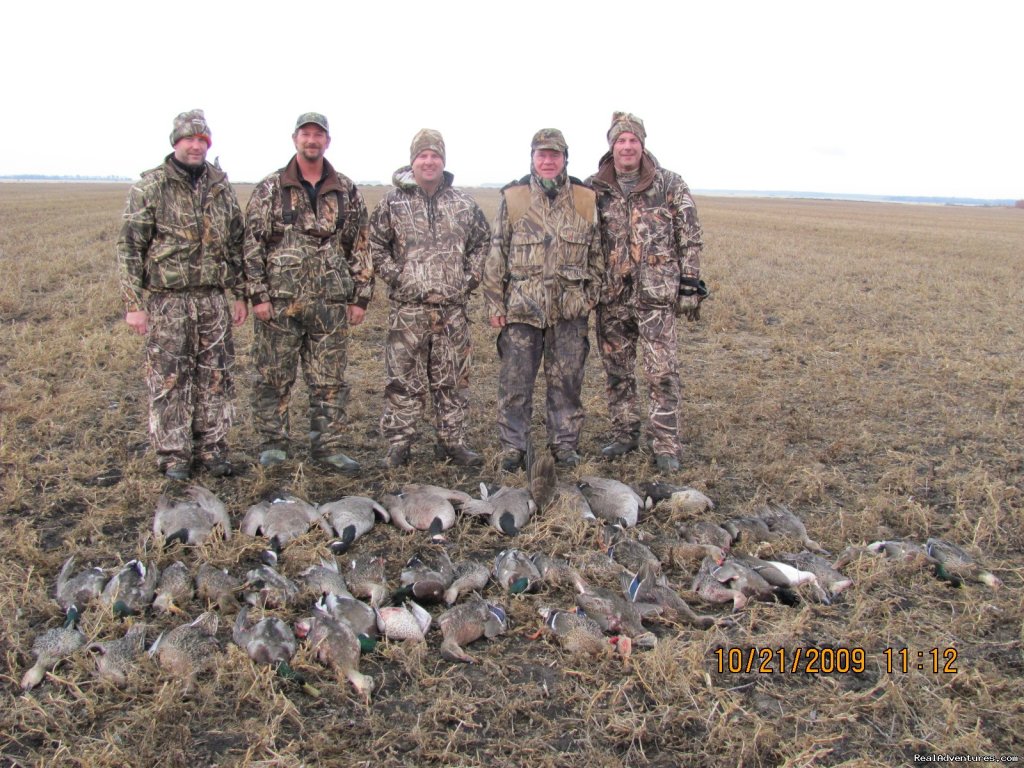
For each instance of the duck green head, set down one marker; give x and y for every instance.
(519, 586)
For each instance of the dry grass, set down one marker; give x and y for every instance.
(860, 362)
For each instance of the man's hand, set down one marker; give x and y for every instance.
(688, 306)
(264, 311)
(139, 321)
(239, 311)
(497, 321)
(355, 314)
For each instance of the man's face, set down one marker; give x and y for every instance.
(428, 168)
(311, 141)
(548, 163)
(191, 151)
(627, 151)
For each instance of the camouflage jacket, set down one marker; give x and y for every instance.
(177, 237)
(651, 239)
(429, 250)
(316, 255)
(546, 264)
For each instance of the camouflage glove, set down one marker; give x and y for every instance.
(691, 293)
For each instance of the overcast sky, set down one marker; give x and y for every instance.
(888, 97)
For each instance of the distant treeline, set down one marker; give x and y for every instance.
(918, 200)
(41, 177)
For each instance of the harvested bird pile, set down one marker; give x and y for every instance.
(881, 419)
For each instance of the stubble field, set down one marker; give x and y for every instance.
(859, 362)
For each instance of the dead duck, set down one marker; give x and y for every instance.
(422, 507)
(554, 571)
(114, 659)
(705, 532)
(357, 614)
(515, 572)
(425, 577)
(192, 519)
(681, 498)
(189, 650)
(409, 621)
(730, 582)
(467, 576)
(570, 497)
(74, 592)
(175, 587)
(50, 648)
(507, 509)
(467, 622)
(830, 579)
(579, 634)
(541, 478)
(268, 588)
(617, 615)
(956, 565)
(898, 549)
(783, 522)
(130, 590)
(218, 587)
(678, 554)
(612, 501)
(324, 579)
(783, 575)
(650, 586)
(335, 646)
(351, 517)
(365, 579)
(627, 552)
(748, 530)
(282, 519)
(267, 641)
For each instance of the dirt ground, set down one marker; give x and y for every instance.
(858, 362)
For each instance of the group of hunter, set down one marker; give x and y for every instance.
(305, 255)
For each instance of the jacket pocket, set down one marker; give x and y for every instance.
(284, 274)
(573, 301)
(576, 242)
(659, 282)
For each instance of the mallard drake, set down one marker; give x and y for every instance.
(705, 532)
(336, 646)
(268, 588)
(783, 575)
(281, 520)
(74, 592)
(612, 501)
(956, 565)
(50, 648)
(190, 649)
(175, 587)
(130, 590)
(783, 522)
(351, 517)
(114, 659)
(515, 572)
(365, 579)
(681, 498)
(421, 507)
(324, 579)
(408, 621)
(578, 633)
(831, 580)
(217, 586)
(425, 577)
(616, 614)
(650, 586)
(508, 509)
(357, 614)
(467, 576)
(190, 520)
(467, 622)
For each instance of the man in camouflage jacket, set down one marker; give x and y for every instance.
(653, 241)
(309, 279)
(428, 242)
(541, 279)
(179, 250)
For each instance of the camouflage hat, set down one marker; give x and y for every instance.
(427, 138)
(315, 118)
(191, 123)
(549, 138)
(624, 122)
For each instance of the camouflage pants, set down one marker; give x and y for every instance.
(317, 336)
(189, 356)
(621, 330)
(564, 348)
(428, 350)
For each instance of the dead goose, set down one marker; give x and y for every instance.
(507, 509)
(351, 517)
(421, 507)
(612, 501)
(281, 520)
(190, 520)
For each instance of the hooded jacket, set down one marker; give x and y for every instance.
(428, 250)
(177, 236)
(652, 238)
(294, 252)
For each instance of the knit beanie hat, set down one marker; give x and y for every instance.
(191, 123)
(625, 122)
(427, 138)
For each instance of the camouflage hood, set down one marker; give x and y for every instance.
(404, 180)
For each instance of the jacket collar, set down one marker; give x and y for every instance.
(213, 174)
(290, 177)
(606, 172)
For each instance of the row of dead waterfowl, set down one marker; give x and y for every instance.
(352, 606)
